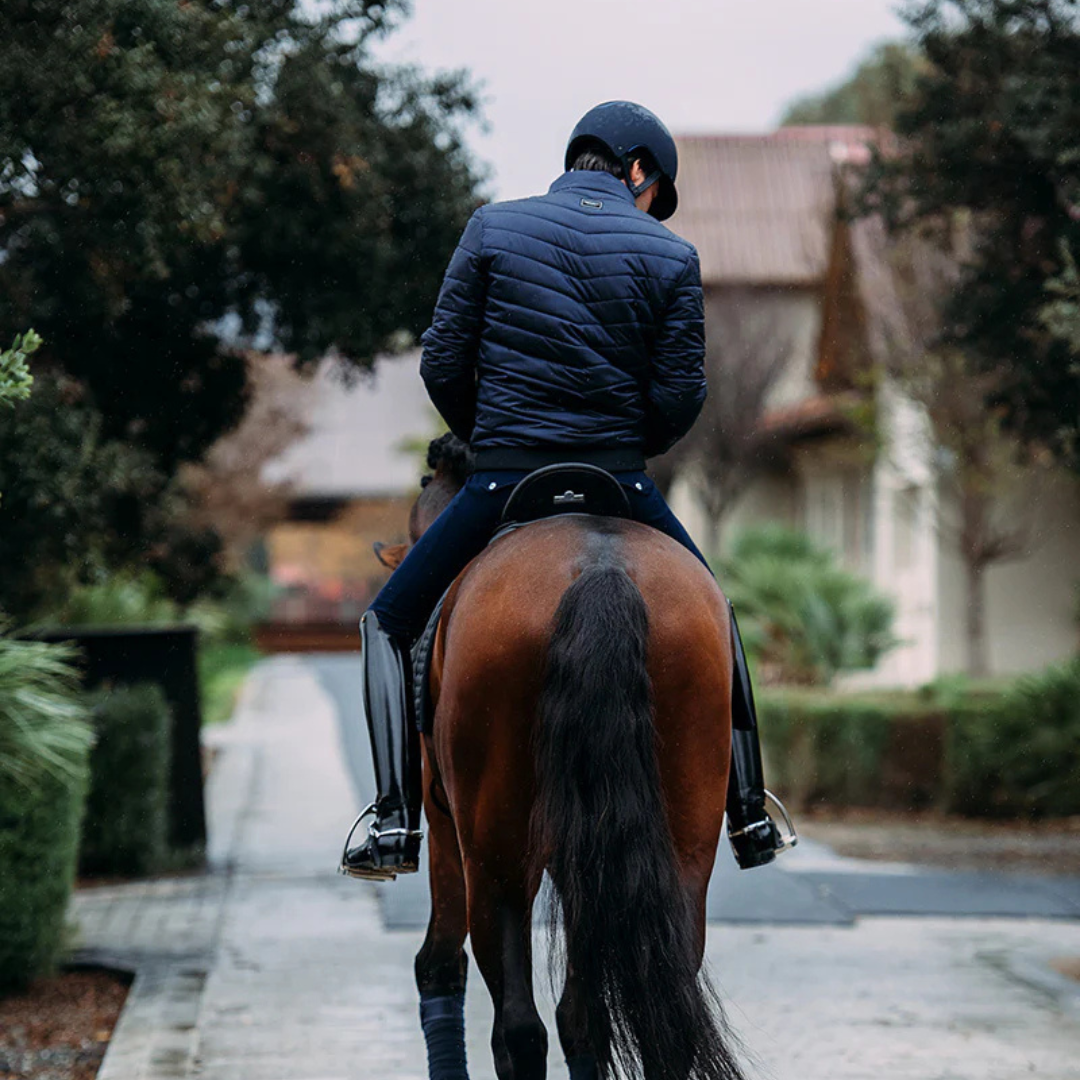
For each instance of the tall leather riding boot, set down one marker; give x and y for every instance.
(755, 838)
(392, 844)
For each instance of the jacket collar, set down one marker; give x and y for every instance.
(592, 183)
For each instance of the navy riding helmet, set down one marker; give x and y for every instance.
(623, 128)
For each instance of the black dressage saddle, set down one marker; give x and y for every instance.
(574, 488)
(556, 489)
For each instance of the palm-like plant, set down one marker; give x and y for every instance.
(44, 730)
(805, 618)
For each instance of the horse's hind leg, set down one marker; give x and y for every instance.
(441, 964)
(570, 1015)
(500, 927)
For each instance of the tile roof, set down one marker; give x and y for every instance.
(759, 208)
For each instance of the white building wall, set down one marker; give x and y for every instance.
(686, 506)
(905, 552)
(1032, 600)
(771, 497)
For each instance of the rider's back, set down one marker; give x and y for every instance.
(584, 315)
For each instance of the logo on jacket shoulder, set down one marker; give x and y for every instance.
(592, 204)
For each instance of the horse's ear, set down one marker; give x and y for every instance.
(390, 555)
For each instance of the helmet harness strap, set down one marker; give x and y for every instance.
(628, 159)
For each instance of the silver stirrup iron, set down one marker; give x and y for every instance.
(791, 838)
(788, 840)
(374, 874)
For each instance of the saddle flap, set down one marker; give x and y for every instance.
(573, 488)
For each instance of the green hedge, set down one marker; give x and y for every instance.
(39, 833)
(881, 750)
(126, 826)
(1027, 761)
(44, 749)
(1010, 752)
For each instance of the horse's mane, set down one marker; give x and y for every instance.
(452, 456)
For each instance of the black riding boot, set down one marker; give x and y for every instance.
(392, 844)
(755, 838)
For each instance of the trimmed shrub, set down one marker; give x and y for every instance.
(881, 750)
(984, 752)
(39, 836)
(1023, 759)
(44, 750)
(126, 827)
(804, 618)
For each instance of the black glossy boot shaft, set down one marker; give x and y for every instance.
(755, 838)
(393, 842)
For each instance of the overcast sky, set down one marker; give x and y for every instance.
(701, 65)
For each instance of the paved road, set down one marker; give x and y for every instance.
(272, 967)
(809, 885)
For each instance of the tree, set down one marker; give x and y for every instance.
(181, 180)
(988, 480)
(229, 493)
(991, 136)
(871, 95)
(722, 453)
(70, 496)
(164, 166)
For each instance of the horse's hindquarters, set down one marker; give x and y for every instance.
(583, 725)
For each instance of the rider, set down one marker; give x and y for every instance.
(569, 328)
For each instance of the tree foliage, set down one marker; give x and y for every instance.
(77, 503)
(164, 166)
(179, 181)
(872, 94)
(991, 140)
(15, 377)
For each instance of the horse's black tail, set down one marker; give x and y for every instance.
(601, 829)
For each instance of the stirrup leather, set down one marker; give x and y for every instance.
(375, 873)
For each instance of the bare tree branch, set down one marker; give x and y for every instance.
(748, 352)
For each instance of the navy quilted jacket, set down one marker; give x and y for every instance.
(568, 325)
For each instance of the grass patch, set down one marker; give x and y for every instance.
(223, 666)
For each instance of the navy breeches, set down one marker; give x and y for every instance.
(462, 531)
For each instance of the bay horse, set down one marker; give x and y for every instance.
(582, 677)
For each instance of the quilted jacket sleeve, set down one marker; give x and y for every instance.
(450, 345)
(676, 389)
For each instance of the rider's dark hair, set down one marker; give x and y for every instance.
(595, 157)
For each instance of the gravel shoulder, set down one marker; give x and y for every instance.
(948, 842)
(59, 1028)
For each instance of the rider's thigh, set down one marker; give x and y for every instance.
(650, 507)
(457, 536)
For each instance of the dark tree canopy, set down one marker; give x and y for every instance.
(870, 95)
(990, 144)
(177, 175)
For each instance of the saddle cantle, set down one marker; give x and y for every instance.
(573, 488)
